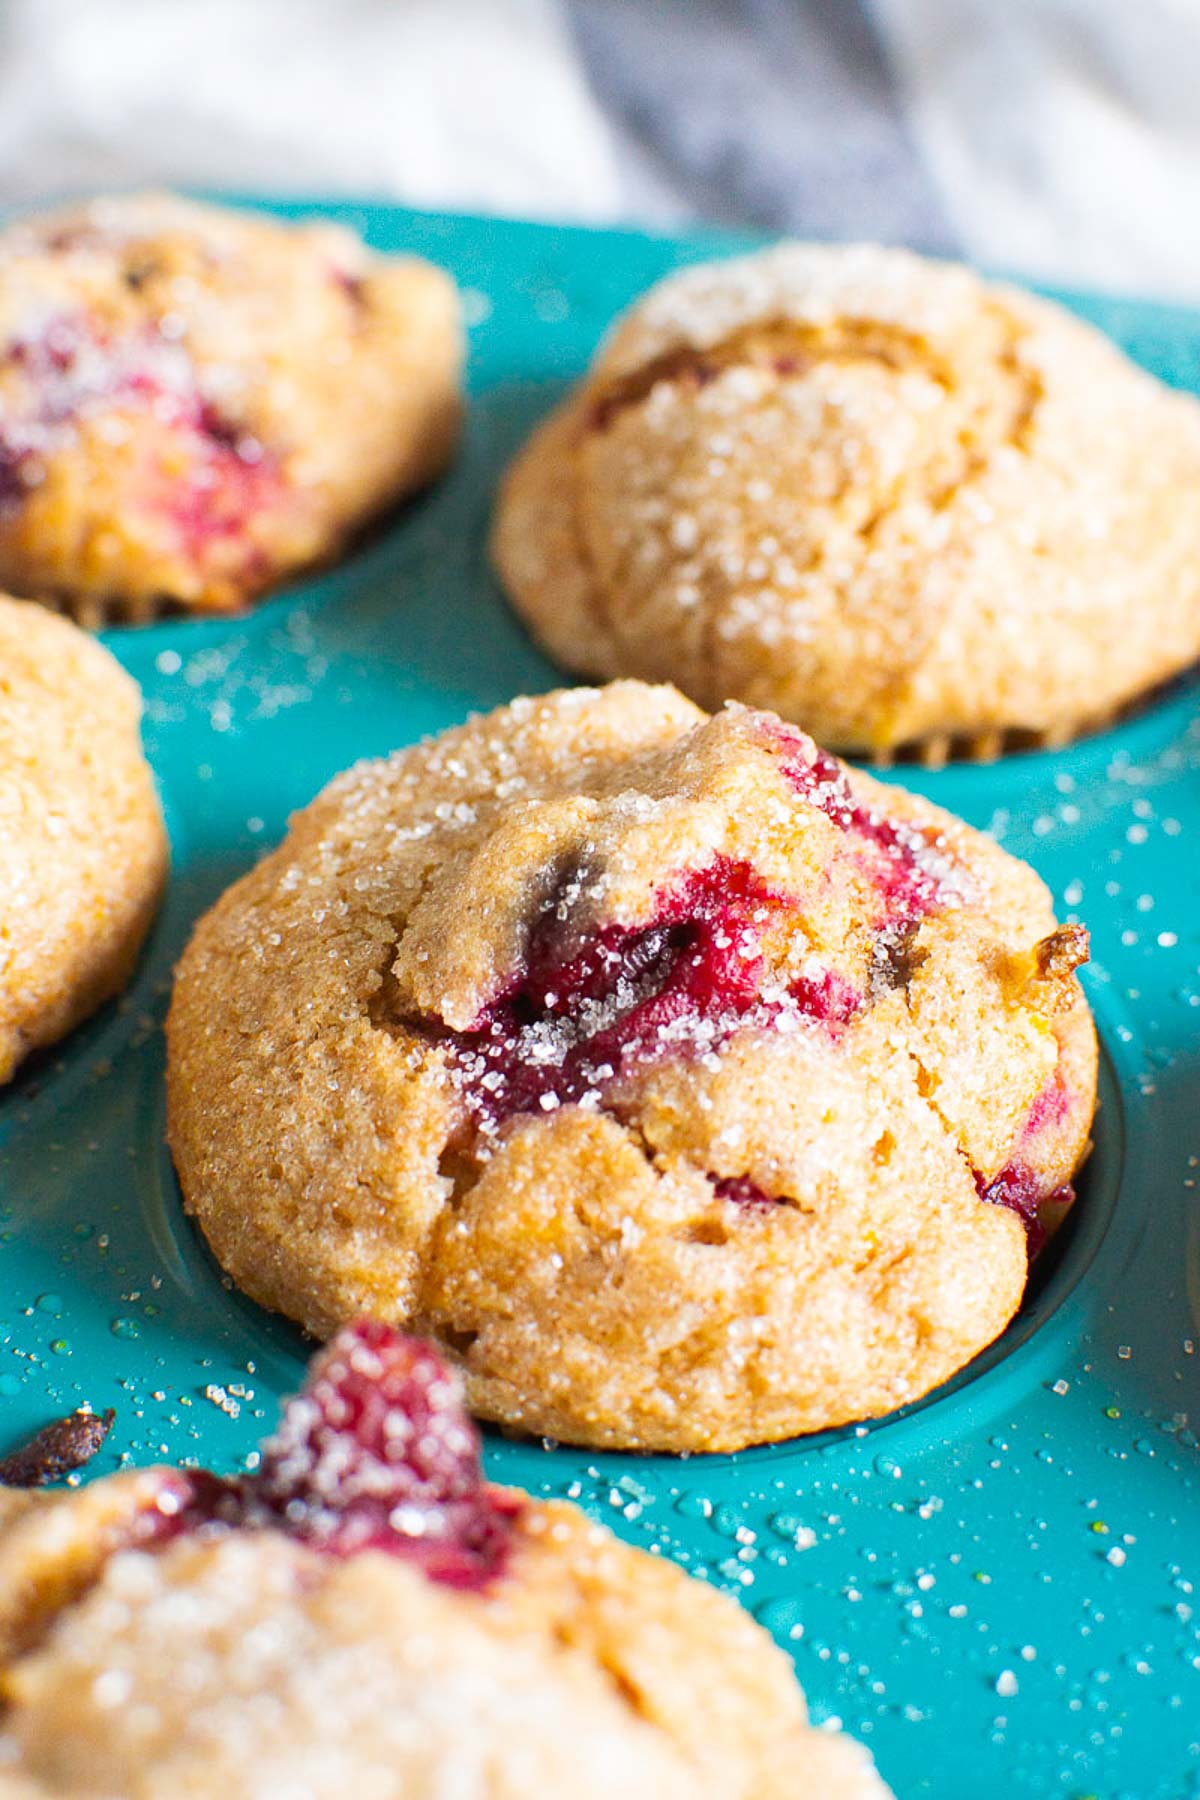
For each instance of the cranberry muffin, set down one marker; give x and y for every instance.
(83, 852)
(691, 1089)
(905, 508)
(195, 403)
(366, 1615)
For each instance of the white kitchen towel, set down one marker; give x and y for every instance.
(475, 104)
(1060, 138)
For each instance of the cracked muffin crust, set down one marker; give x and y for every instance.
(196, 403)
(692, 1090)
(366, 1614)
(900, 506)
(83, 852)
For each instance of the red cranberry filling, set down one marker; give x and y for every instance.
(1050, 1107)
(74, 368)
(51, 361)
(911, 875)
(743, 1192)
(222, 496)
(375, 1453)
(57, 350)
(353, 286)
(574, 1023)
(12, 487)
(1023, 1192)
(1017, 1186)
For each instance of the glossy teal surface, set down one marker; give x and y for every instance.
(995, 1589)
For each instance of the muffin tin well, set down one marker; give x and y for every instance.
(993, 1588)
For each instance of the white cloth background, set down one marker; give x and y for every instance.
(1064, 135)
(1056, 137)
(445, 103)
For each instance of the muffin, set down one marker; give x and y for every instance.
(84, 852)
(196, 403)
(366, 1615)
(690, 1089)
(907, 509)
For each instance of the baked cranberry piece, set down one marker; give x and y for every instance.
(742, 1191)
(73, 369)
(57, 1450)
(374, 1453)
(578, 1019)
(1022, 1192)
(1041, 1209)
(12, 487)
(912, 875)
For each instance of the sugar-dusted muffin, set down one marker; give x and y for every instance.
(692, 1090)
(83, 852)
(366, 1615)
(196, 402)
(905, 508)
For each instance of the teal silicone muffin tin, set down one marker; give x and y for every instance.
(994, 1589)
